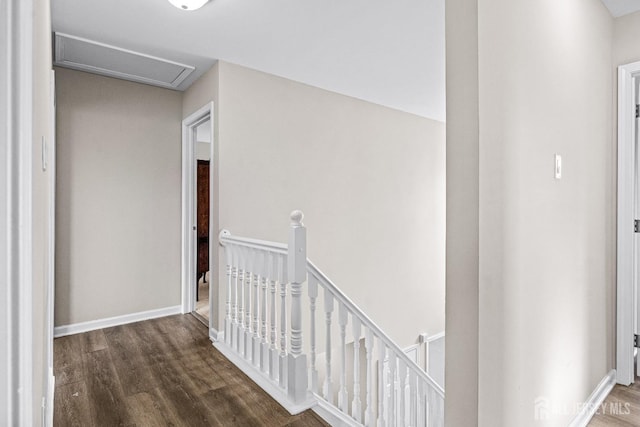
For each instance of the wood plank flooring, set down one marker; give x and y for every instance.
(161, 372)
(621, 408)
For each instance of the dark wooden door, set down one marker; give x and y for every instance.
(203, 218)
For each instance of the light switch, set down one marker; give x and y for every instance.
(44, 154)
(558, 169)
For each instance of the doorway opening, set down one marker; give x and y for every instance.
(197, 214)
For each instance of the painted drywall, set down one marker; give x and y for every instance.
(546, 246)
(118, 206)
(203, 141)
(462, 210)
(202, 92)
(626, 33)
(40, 200)
(369, 179)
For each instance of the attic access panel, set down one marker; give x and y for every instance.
(99, 58)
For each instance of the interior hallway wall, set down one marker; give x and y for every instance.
(42, 128)
(626, 33)
(118, 189)
(369, 179)
(201, 92)
(546, 247)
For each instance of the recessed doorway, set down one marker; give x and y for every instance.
(197, 214)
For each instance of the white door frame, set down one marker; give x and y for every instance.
(189, 240)
(16, 255)
(50, 163)
(627, 241)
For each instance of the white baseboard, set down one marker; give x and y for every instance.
(265, 383)
(215, 335)
(595, 400)
(77, 328)
(332, 415)
(51, 386)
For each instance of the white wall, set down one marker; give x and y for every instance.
(626, 33)
(42, 127)
(118, 207)
(462, 210)
(203, 141)
(369, 179)
(545, 247)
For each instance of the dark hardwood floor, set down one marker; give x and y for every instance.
(621, 408)
(162, 372)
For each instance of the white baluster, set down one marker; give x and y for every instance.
(234, 302)
(411, 395)
(381, 383)
(342, 393)
(421, 408)
(264, 343)
(257, 267)
(356, 405)
(297, 271)
(400, 407)
(328, 310)
(227, 317)
(368, 346)
(313, 295)
(393, 388)
(273, 350)
(247, 305)
(242, 252)
(431, 407)
(283, 323)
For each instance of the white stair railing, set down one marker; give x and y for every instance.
(358, 375)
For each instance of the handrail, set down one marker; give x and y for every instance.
(255, 270)
(337, 293)
(281, 248)
(225, 236)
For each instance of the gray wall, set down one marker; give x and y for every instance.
(544, 248)
(118, 189)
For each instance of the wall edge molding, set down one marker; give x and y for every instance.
(92, 325)
(592, 404)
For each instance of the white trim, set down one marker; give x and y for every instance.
(51, 260)
(434, 337)
(215, 335)
(7, 184)
(51, 386)
(594, 401)
(17, 405)
(266, 384)
(412, 352)
(333, 415)
(92, 325)
(24, 137)
(625, 236)
(60, 60)
(188, 253)
(429, 342)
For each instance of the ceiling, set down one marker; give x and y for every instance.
(386, 52)
(622, 7)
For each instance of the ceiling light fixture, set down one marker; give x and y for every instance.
(188, 4)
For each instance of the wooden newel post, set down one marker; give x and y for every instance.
(297, 272)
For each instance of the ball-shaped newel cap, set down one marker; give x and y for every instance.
(296, 217)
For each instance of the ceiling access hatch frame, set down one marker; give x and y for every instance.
(99, 58)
